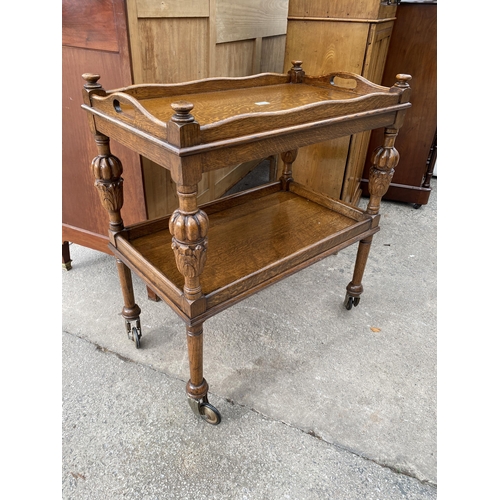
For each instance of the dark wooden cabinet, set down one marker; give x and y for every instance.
(413, 50)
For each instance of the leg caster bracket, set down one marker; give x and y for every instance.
(203, 409)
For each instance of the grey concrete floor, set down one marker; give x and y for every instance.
(316, 401)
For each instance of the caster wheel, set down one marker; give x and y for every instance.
(136, 337)
(351, 301)
(209, 413)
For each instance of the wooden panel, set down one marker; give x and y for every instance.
(173, 8)
(272, 54)
(161, 191)
(326, 46)
(171, 50)
(234, 59)
(89, 25)
(154, 64)
(242, 20)
(376, 51)
(347, 9)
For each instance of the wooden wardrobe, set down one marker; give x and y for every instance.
(338, 36)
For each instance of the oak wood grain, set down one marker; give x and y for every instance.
(203, 259)
(172, 8)
(247, 237)
(173, 41)
(341, 9)
(241, 20)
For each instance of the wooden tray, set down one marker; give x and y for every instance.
(255, 238)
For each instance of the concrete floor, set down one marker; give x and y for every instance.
(317, 402)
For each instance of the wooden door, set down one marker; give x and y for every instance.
(94, 40)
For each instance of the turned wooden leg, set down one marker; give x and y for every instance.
(384, 160)
(288, 158)
(131, 311)
(197, 386)
(66, 258)
(152, 295)
(355, 288)
(189, 227)
(107, 170)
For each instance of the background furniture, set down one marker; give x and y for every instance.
(137, 41)
(413, 50)
(339, 36)
(94, 35)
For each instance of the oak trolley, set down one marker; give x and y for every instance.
(201, 260)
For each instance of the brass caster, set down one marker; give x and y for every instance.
(205, 410)
(351, 301)
(134, 333)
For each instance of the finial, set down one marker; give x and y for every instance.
(402, 81)
(91, 79)
(296, 73)
(182, 109)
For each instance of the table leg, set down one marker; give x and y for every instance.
(288, 157)
(66, 257)
(107, 170)
(197, 386)
(188, 226)
(131, 311)
(384, 161)
(152, 295)
(355, 288)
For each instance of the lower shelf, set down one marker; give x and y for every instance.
(254, 239)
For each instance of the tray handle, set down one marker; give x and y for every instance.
(122, 107)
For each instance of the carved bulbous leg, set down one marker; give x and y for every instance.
(188, 226)
(107, 170)
(384, 161)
